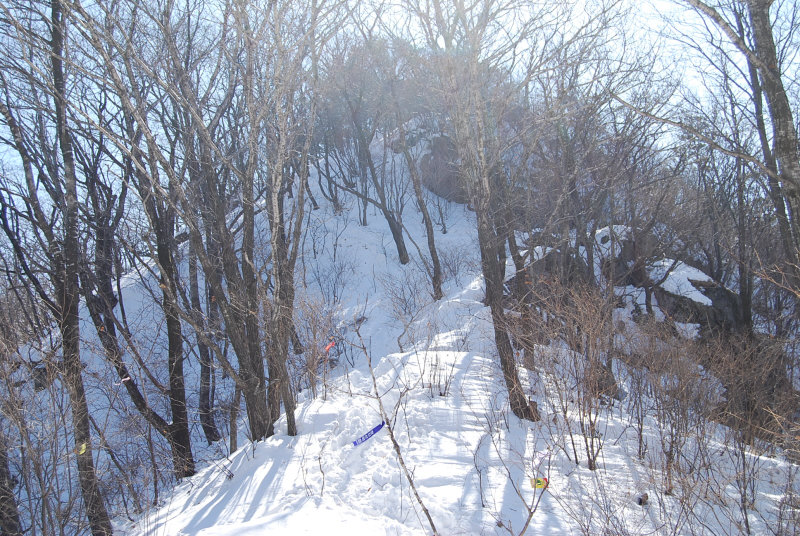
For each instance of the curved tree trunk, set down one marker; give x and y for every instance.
(784, 130)
(366, 161)
(436, 273)
(161, 219)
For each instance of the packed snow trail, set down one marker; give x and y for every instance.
(472, 461)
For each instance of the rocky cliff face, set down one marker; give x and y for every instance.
(439, 172)
(723, 315)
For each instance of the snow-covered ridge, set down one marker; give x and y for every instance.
(472, 462)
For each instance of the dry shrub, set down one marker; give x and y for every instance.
(314, 322)
(758, 393)
(578, 319)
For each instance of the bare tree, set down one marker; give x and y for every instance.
(206, 392)
(242, 132)
(10, 337)
(484, 72)
(51, 163)
(748, 32)
(359, 93)
(404, 88)
(101, 207)
(9, 512)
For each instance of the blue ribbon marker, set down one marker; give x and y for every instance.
(369, 434)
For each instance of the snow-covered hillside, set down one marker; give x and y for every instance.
(471, 461)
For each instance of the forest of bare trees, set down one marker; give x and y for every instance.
(178, 148)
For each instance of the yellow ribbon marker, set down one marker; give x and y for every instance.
(82, 448)
(540, 483)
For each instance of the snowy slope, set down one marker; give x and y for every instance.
(471, 460)
(319, 481)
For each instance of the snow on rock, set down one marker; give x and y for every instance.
(607, 240)
(679, 277)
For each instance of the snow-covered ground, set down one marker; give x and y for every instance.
(471, 461)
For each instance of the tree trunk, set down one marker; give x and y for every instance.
(397, 235)
(98, 293)
(179, 428)
(160, 212)
(773, 185)
(493, 272)
(234, 419)
(282, 312)
(228, 264)
(368, 165)
(436, 274)
(161, 221)
(784, 132)
(206, 402)
(259, 413)
(279, 343)
(106, 331)
(233, 283)
(66, 285)
(743, 254)
(9, 512)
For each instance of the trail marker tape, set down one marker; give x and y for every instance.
(369, 434)
(540, 483)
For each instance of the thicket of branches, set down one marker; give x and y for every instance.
(173, 144)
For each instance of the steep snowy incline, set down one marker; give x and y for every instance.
(441, 400)
(472, 463)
